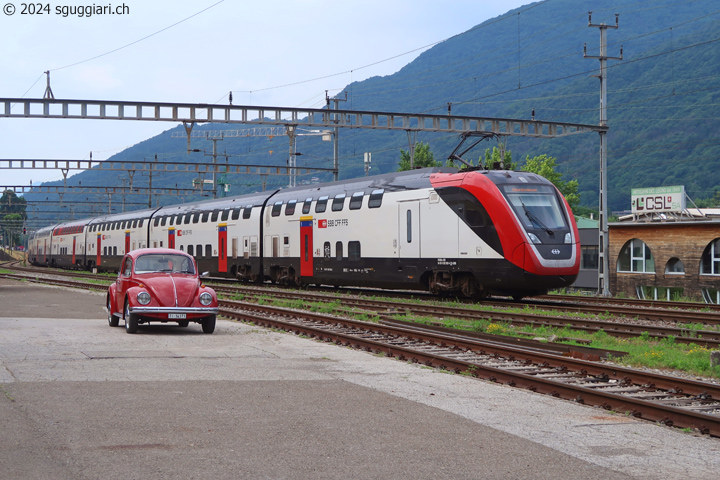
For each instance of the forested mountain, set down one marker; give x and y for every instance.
(661, 99)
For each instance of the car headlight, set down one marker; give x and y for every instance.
(205, 298)
(143, 298)
(534, 238)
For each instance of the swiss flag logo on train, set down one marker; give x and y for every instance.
(322, 223)
(179, 233)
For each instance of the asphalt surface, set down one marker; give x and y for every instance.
(82, 400)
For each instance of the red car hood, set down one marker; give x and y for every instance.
(164, 288)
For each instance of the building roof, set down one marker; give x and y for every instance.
(583, 222)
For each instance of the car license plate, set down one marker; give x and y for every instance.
(180, 316)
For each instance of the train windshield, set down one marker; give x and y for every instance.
(537, 206)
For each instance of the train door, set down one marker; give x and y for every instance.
(127, 241)
(99, 249)
(171, 237)
(409, 229)
(306, 246)
(73, 249)
(222, 247)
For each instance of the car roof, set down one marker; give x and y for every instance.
(167, 251)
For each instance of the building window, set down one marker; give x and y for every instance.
(710, 262)
(711, 295)
(659, 293)
(675, 267)
(635, 257)
(589, 257)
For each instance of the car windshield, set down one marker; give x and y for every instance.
(163, 262)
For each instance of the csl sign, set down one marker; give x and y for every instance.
(658, 199)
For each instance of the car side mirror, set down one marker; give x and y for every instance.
(205, 274)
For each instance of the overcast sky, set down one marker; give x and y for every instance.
(197, 52)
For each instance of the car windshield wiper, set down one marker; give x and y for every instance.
(531, 216)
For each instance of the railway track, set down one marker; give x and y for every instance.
(659, 324)
(668, 400)
(672, 401)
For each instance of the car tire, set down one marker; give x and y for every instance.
(113, 320)
(208, 324)
(131, 320)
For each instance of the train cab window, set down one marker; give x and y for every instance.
(277, 206)
(376, 197)
(191, 250)
(290, 207)
(338, 251)
(205, 216)
(326, 249)
(236, 213)
(321, 204)
(208, 250)
(306, 205)
(247, 211)
(354, 251)
(225, 215)
(338, 202)
(214, 216)
(356, 200)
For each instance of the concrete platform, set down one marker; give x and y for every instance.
(82, 400)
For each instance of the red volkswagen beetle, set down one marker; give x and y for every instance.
(160, 285)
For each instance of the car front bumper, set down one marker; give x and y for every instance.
(160, 310)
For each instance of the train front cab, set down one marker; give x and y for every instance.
(538, 236)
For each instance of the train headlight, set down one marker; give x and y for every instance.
(534, 238)
(205, 298)
(143, 298)
(568, 238)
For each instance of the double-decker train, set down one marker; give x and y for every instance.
(470, 233)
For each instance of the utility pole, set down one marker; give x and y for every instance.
(291, 155)
(336, 133)
(603, 259)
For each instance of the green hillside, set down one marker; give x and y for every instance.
(661, 99)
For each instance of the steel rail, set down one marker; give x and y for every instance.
(668, 415)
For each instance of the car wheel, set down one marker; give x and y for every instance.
(113, 320)
(131, 320)
(183, 323)
(208, 324)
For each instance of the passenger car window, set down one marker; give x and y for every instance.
(376, 198)
(290, 207)
(338, 202)
(247, 212)
(306, 205)
(356, 200)
(321, 204)
(276, 209)
(354, 251)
